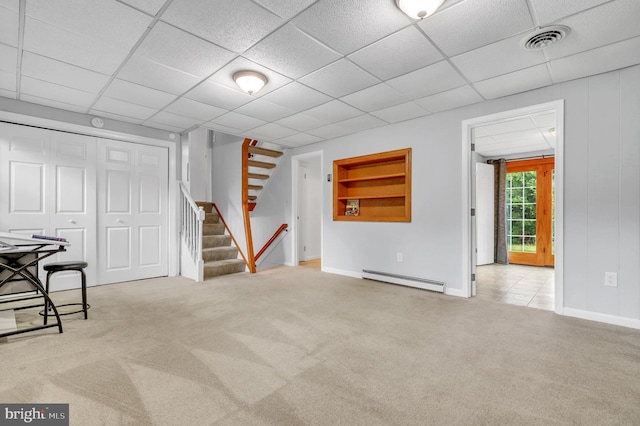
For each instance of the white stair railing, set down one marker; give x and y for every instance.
(192, 217)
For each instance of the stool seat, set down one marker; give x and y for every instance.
(72, 265)
(65, 266)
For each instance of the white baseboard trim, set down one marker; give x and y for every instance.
(342, 272)
(606, 318)
(457, 292)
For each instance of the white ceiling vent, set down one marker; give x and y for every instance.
(545, 37)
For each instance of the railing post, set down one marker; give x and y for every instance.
(245, 205)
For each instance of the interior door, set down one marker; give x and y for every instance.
(48, 187)
(485, 214)
(132, 211)
(530, 212)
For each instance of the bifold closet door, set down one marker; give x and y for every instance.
(47, 186)
(132, 192)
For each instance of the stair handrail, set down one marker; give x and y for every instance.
(282, 227)
(192, 217)
(251, 261)
(231, 234)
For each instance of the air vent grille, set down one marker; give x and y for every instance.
(545, 37)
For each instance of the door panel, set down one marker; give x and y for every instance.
(530, 212)
(47, 182)
(133, 183)
(485, 213)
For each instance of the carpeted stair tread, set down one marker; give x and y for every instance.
(209, 241)
(223, 267)
(213, 229)
(219, 253)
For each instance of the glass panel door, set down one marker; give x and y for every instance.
(530, 211)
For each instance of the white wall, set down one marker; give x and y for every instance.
(199, 179)
(601, 184)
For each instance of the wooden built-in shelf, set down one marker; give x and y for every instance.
(380, 182)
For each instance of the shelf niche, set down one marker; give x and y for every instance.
(380, 182)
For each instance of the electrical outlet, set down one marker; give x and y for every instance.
(611, 279)
(399, 256)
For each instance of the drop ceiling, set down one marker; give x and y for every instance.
(334, 67)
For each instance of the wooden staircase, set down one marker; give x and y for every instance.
(258, 169)
(220, 257)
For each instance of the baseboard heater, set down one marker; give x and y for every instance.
(422, 283)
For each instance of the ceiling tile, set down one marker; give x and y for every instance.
(375, 98)
(8, 81)
(136, 94)
(428, 80)
(545, 119)
(403, 52)
(52, 103)
(111, 22)
(174, 120)
(333, 111)
(609, 23)
(298, 139)
(217, 95)
(549, 11)
(519, 136)
(157, 76)
(235, 25)
(65, 46)
(12, 5)
(225, 76)
(8, 58)
(296, 96)
(485, 22)
(347, 26)
(450, 99)
(339, 78)
(302, 122)
(286, 9)
(264, 110)
(271, 131)
(330, 131)
(54, 92)
(149, 6)
(197, 110)
(9, 30)
(238, 121)
(596, 61)
(116, 106)
(400, 112)
(515, 82)
(363, 122)
(46, 69)
(6, 93)
(176, 49)
(303, 54)
(498, 58)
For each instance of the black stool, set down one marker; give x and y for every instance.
(54, 267)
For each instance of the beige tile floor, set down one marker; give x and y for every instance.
(531, 286)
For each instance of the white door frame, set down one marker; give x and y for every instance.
(295, 171)
(173, 255)
(468, 240)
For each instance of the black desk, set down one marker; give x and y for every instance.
(19, 258)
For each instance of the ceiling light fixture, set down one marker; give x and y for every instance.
(250, 81)
(419, 9)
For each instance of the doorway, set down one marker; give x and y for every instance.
(307, 209)
(507, 135)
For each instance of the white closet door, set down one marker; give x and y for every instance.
(73, 204)
(132, 211)
(47, 186)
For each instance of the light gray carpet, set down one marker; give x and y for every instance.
(292, 346)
